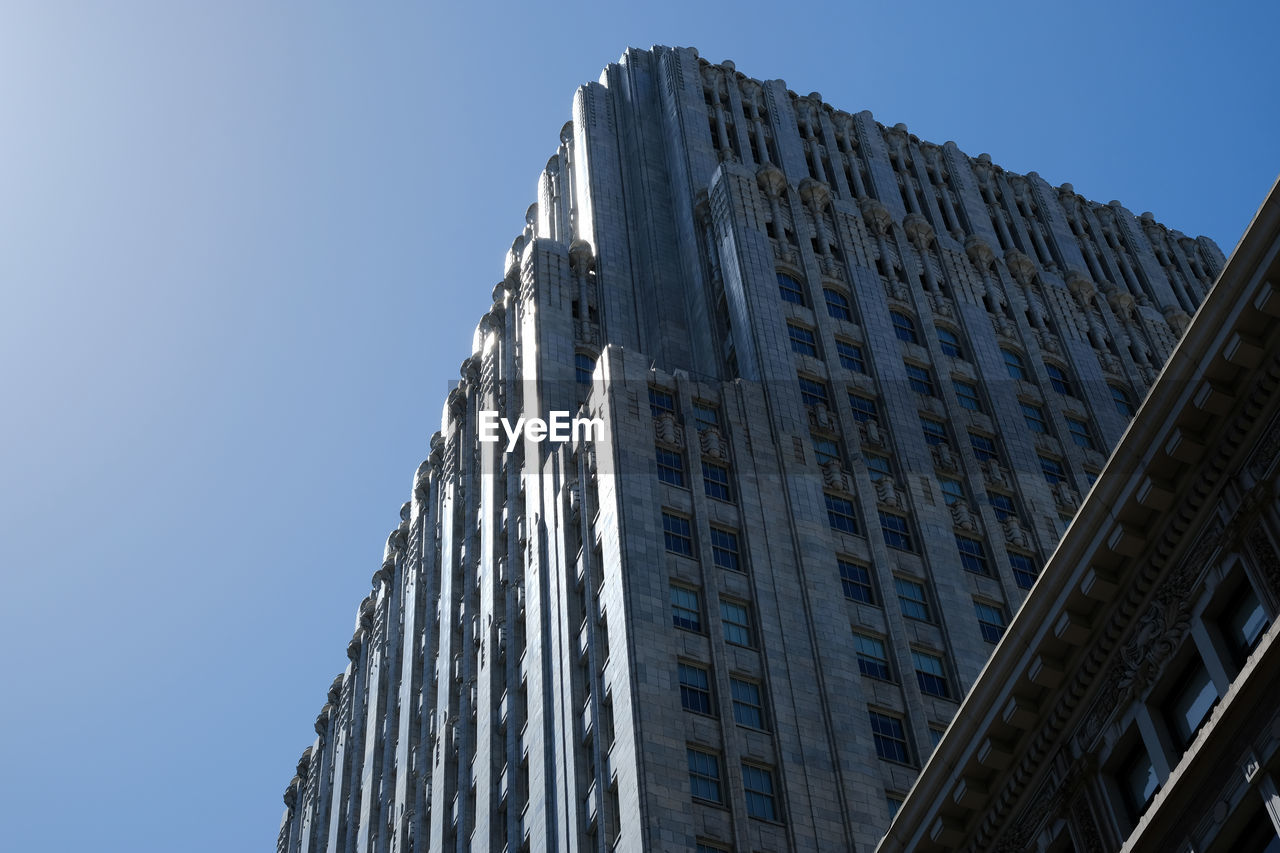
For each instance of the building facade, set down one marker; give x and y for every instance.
(852, 386)
(1135, 702)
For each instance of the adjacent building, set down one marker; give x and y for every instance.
(851, 387)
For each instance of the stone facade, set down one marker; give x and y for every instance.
(853, 386)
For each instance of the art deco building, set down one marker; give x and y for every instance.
(853, 386)
(1134, 702)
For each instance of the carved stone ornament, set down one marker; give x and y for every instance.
(1154, 640)
(979, 251)
(887, 492)
(876, 215)
(833, 476)
(1080, 286)
(871, 433)
(712, 443)
(963, 517)
(1264, 553)
(1022, 268)
(1264, 454)
(1065, 496)
(771, 180)
(919, 231)
(581, 258)
(945, 458)
(1014, 533)
(667, 430)
(815, 194)
(820, 416)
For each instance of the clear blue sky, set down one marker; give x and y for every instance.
(243, 246)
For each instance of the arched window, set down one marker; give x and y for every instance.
(583, 366)
(789, 289)
(1121, 399)
(950, 343)
(838, 304)
(1058, 379)
(1014, 364)
(904, 327)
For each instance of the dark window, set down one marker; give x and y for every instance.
(1034, 417)
(897, 531)
(1058, 379)
(864, 408)
(892, 803)
(1003, 505)
(972, 555)
(748, 706)
(789, 289)
(802, 340)
(935, 432)
(661, 402)
(983, 446)
(695, 689)
(1080, 433)
(1243, 622)
(685, 611)
(952, 490)
(950, 343)
(904, 327)
(724, 549)
(583, 366)
(838, 304)
(715, 481)
(825, 449)
(851, 357)
(1013, 363)
(1024, 568)
(930, 674)
(912, 598)
(873, 659)
(1190, 702)
(736, 619)
(1139, 780)
(670, 467)
(757, 783)
(705, 415)
(840, 515)
(704, 775)
(855, 579)
(878, 467)
(967, 395)
(813, 392)
(991, 621)
(1121, 399)
(677, 534)
(1053, 471)
(920, 380)
(704, 847)
(890, 737)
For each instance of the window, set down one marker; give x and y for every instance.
(838, 304)
(661, 402)
(930, 674)
(748, 706)
(897, 531)
(583, 366)
(737, 623)
(670, 467)
(686, 614)
(890, 737)
(904, 327)
(878, 467)
(919, 379)
(850, 356)
(1243, 622)
(911, 596)
(935, 432)
(825, 449)
(757, 782)
(935, 735)
(704, 775)
(972, 555)
(715, 481)
(704, 847)
(705, 415)
(1053, 471)
(855, 579)
(1121, 400)
(1190, 702)
(952, 490)
(1013, 363)
(1080, 433)
(893, 803)
(789, 289)
(802, 340)
(991, 621)
(840, 514)
(695, 689)
(1139, 781)
(1034, 417)
(1058, 379)
(677, 535)
(950, 343)
(724, 549)
(813, 392)
(864, 408)
(1003, 505)
(873, 660)
(967, 395)
(983, 446)
(1024, 569)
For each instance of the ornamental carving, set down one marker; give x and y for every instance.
(979, 251)
(712, 443)
(1022, 268)
(834, 477)
(887, 492)
(667, 430)
(876, 215)
(1267, 561)
(963, 517)
(1153, 642)
(1264, 455)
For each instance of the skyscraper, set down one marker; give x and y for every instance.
(849, 388)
